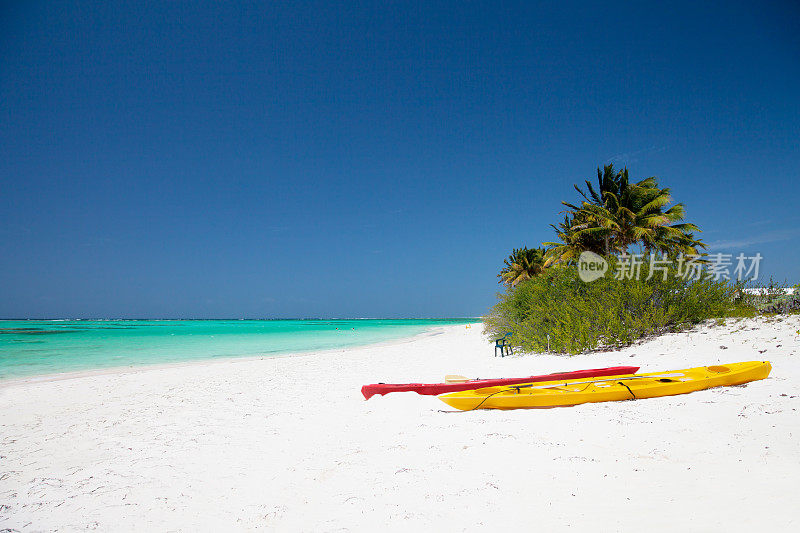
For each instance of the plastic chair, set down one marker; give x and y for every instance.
(504, 345)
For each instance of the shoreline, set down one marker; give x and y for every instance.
(133, 369)
(290, 444)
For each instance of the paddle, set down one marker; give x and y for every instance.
(564, 384)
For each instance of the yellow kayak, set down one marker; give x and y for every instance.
(607, 389)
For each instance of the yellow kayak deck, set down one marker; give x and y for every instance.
(607, 389)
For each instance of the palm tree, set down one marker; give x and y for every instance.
(573, 241)
(620, 214)
(523, 263)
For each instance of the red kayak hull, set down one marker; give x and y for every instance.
(433, 389)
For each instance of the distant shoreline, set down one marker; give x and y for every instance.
(221, 359)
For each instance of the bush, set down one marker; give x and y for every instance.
(558, 312)
(772, 298)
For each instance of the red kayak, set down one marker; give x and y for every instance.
(432, 389)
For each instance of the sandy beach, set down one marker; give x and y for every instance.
(289, 444)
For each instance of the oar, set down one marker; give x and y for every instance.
(564, 384)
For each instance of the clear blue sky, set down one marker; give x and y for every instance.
(271, 159)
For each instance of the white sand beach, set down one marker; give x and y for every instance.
(289, 444)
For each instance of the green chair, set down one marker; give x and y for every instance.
(504, 345)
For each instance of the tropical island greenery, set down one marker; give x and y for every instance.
(549, 307)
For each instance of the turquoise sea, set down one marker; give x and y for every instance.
(33, 347)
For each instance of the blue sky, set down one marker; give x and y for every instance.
(260, 159)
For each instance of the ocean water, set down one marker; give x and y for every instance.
(35, 347)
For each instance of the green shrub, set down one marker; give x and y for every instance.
(771, 297)
(559, 312)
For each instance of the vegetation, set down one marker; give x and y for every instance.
(549, 308)
(610, 219)
(558, 312)
(620, 214)
(523, 263)
(771, 298)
